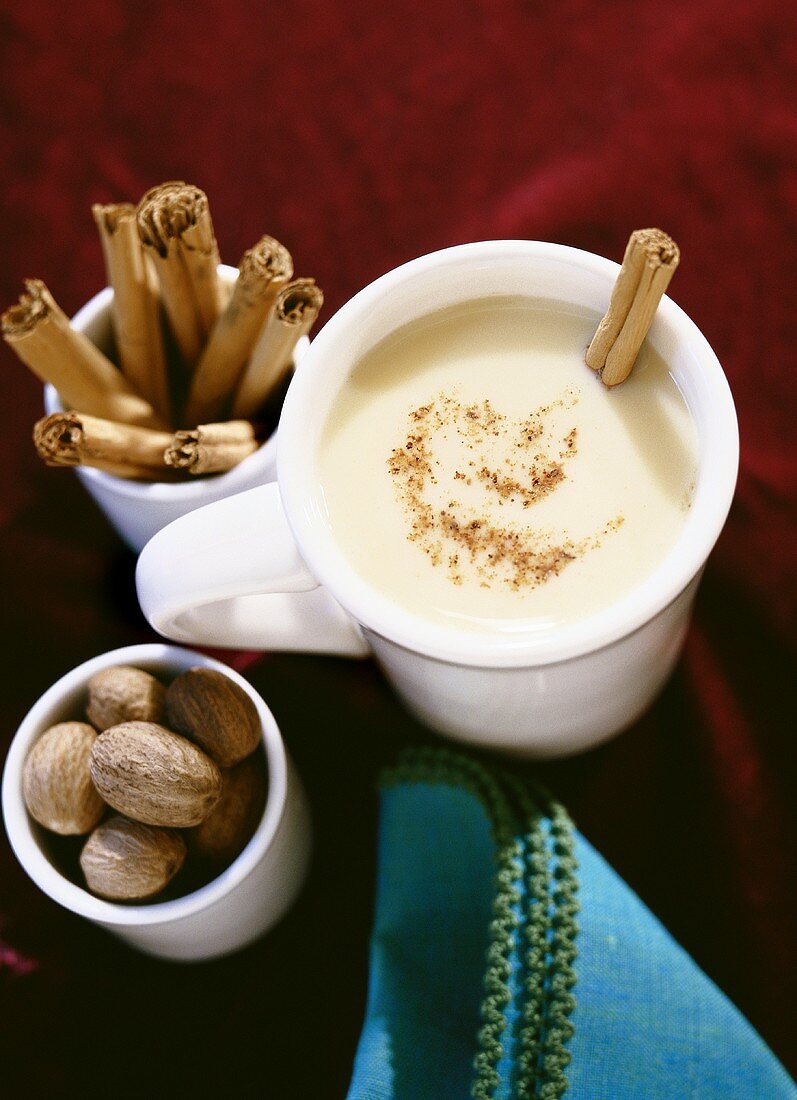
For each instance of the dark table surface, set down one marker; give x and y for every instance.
(362, 136)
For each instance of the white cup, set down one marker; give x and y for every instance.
(137, 509)
(244, 901)
(263, 569)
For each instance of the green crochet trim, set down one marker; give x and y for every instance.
(537, 859)
(534, 843)
(550, 930)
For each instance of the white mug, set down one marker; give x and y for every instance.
(263, 569)
(137, 509)
(241, 903)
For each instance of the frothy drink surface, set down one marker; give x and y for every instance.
(478, 473)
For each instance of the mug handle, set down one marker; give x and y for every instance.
(230, 574)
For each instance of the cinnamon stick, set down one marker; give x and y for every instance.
(650, 260)
(136, 303)
(211, 448)
(76, 439)
(296, 308)
(41, 335)
(263, 271)
(176, 230)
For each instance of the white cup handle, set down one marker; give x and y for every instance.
(230, 574)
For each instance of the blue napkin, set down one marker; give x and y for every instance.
(509, 960)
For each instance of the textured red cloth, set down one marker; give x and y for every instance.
(363, 135)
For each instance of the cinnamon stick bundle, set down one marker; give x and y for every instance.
(263, 271)
(650, 260)
(294, 314)
(41, 335)
(211, 448)
(176, 230)
(76, 439)
(136, 303)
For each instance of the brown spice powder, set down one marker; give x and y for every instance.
(534, 465)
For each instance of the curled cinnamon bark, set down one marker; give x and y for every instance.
(177, 232)
(212, 448)
(136, 303)
(650, 260)
(263, 271)
(294, 314)
(42, 337)
(77, 439)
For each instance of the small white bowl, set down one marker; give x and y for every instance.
(241, 903)
(138, 509)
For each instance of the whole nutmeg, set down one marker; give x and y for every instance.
(56, 782)
(124, 694)
(209, 708)
(153, 775)
(229, 826)
(127, 861)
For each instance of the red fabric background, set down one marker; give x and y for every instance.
(363, 135)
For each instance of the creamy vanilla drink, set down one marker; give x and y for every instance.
(479, 474)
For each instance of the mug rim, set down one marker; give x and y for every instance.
(21, 829)
(383, 616)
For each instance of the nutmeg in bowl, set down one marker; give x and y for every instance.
(214, 887)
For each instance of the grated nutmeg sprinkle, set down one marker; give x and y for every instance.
(517, 556)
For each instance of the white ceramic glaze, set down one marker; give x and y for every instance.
(138, 509)
(244, 901)
(264, 570)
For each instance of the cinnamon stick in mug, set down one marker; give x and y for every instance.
(136, 303)
(42, 337)
(295, 311)
(176, 230)
(212, 448)
(650, 260)
(263, 271)
(76, 439)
